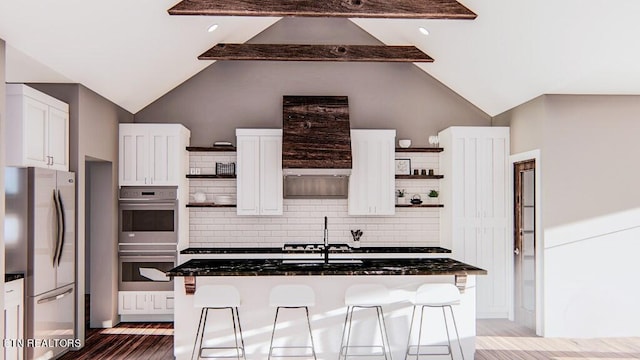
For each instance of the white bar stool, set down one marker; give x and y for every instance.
(434, 295)
(365, 296)
(292, 297)
(218, 297)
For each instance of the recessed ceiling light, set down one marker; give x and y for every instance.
(423, 31)
(212, 28)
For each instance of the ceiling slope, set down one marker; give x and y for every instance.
(130, 52)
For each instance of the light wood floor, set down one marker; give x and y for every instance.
(496, 340)
(504, 340)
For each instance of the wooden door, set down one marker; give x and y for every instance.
(524, 246)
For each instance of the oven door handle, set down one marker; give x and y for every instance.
(145, 256)
(147, 202)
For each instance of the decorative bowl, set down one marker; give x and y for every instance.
(404, 143)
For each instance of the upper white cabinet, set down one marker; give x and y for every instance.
(475, 220)
(153, 154)
(372, 180)
(259, 171)
(37, 129)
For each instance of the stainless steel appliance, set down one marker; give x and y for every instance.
(40, 241)
(148, 238)
(148, 214)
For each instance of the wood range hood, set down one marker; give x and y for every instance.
(316, 135)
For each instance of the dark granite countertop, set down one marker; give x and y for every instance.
(13, 276)
(278, 267)
(362, 250)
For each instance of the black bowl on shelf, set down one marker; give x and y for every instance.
(416, 201)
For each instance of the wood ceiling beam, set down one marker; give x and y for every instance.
(401, 9)
(291, 52)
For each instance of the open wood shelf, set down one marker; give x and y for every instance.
(210, 205)
(211, 148)
(419, 206)
(420, 149)
(419, 176)
(210, 176)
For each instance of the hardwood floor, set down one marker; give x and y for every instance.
(496, 340)
(130, 341)
(505, 340)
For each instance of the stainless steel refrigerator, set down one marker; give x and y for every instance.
(40, 241)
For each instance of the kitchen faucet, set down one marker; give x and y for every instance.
(326, 242)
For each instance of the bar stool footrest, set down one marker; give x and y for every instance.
(344, 351)
(311, 354)
(234, 356)
(422, 347)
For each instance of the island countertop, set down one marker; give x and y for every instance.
(280, 250)
(366, 266)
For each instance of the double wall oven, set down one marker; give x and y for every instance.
(148, 237)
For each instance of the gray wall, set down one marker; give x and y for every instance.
(3, 90)
(93, 137)
(590, 208)
(231, 94)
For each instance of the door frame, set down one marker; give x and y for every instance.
(539, 238)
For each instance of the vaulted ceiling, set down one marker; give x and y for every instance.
(133, 52)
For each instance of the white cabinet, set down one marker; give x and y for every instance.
(475, 220)
(153, 154)
(13, 318)
(372, 180)
(145, 302)
(259, 171)
(37, 129)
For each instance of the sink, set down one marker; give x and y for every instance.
(321, 261)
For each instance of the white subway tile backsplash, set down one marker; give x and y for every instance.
(303, 220)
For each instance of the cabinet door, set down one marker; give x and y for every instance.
(13, 318)
(134, 156)
(58, 139)
(271, 175)
(248, 175)
(161, 302)
(372, 180)
(133, 302)
(36, 133)
(163, 164)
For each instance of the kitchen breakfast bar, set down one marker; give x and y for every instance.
(256, 277)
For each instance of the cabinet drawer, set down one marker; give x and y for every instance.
(13, 293)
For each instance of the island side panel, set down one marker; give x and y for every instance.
(327, 317)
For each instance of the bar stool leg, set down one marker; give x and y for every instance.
(446, 326)
(413, 314)
(273, 332)
(241, 337)
(383, 332)
(420, 332)
(456, 329)
(313, 346)
(195, 344)
(344, 330)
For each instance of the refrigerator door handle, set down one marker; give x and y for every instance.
(58, 226)
(55, 297)
(63, 227)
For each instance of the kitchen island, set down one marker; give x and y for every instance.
(254, 278)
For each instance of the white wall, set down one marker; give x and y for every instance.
(590, 210)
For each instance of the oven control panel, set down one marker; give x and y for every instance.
(149, 192)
